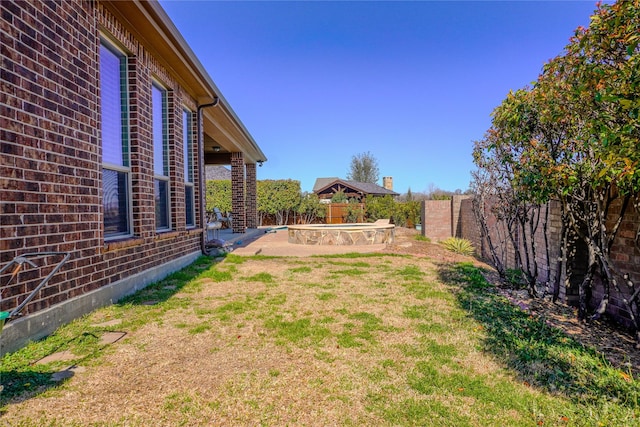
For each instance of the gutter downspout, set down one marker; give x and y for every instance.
(201, 174)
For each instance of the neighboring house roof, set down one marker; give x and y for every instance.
(324, 184)
(216, 172)
(222, 128)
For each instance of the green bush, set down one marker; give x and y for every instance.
(354, 212)
(339, 197)
(218, 195)
(379, 208)
(310, 209)
(403, 214)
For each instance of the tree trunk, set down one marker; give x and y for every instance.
(562, 272)
(585, 286)
(481, 219)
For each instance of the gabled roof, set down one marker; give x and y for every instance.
(363, 187)
(322, 183)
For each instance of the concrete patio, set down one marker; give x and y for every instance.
(273, 241)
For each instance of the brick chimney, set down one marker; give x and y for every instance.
(387, 182)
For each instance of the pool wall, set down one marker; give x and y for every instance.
(341, 234)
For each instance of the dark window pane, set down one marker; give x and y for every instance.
(162, 204)
(115, 204)
(188, 201)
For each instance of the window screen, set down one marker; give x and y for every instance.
(114, 133)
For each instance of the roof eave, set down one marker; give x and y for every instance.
(149, 22)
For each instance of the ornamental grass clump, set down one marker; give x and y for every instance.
(458, 246)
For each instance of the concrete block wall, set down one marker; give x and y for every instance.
(456, 217)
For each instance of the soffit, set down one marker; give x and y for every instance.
(150, 24)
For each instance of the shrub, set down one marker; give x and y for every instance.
(458, 246)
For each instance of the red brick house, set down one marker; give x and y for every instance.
(107, 119)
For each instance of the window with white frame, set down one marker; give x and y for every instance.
(114, 127)
(189, 191)
(160, 156)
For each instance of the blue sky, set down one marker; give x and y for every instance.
(413, 83)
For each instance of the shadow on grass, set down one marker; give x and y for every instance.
(541, 355)
(24, 384)
(22, 378)
(164, 289)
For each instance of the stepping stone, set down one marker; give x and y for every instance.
(170, 288)
(57, 357)
(111, 337)
(152, 302)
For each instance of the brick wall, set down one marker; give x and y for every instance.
(623, 252)
(468, 228)
(626, 258)
(51, 154)
(436, 219)
(456, 218)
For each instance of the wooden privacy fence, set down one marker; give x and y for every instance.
(339, 213)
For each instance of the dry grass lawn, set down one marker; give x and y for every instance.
(286, 341)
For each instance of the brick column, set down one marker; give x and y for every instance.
(436, 219)
(239, 221)
(252, 196)
(456, 203)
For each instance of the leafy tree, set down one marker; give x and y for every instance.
(279, 198)
(599, 75)
(364, 168)
(310, 209)
(401, 213)
(380, 207)
(574, 137)
(354, 212)
(218, 195)
(412, 210)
